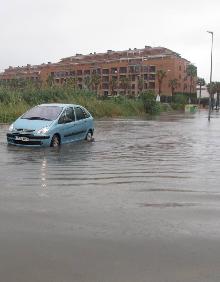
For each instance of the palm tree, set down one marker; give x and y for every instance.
(217, 87)
(191, 71)
(140, 83)
(200, 82)
(173, 83)
(87, 82)
(211, 87)
(113, 85)
(125, 83)
(95, 82)
(161, 74)
(50, 80)
(71, 82)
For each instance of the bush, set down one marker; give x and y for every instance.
(149, 101)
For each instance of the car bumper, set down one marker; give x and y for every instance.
(28, 140)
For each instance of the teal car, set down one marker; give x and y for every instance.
(51, 125)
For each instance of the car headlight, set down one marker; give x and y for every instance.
(43, 130)
(11, 127)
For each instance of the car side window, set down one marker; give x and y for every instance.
(67, 116)
(79, 113)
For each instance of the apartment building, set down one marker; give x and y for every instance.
(126, 72)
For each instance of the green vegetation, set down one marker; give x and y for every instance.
(14, 102)
(19, 97)
(191, 71)
(149, 102)
(161, 74)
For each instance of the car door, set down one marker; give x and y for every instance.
(67, 126)
(80, 123)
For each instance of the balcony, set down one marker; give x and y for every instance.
(135, 69)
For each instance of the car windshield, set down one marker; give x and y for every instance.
(43, 113)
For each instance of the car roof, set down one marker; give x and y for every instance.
(59, 105)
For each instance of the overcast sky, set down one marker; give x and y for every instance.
(37, 31)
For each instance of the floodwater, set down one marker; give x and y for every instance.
(140, 204)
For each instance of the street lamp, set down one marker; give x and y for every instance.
(210, 94)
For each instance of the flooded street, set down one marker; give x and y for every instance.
(140, 204)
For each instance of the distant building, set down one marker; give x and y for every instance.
(126, 72)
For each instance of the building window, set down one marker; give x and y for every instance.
(105, 71)
(86, 72)
(179, 68)
(105, 79)
(79, 72)
(145, 76)
(152, 85)
(123, 70)
(152, 77)
(145, 68)
(131, 69)
(152, 69)
(105, 86)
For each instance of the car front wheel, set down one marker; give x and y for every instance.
(89, 136)
(55, 142)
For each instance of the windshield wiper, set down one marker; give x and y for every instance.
(37, 118)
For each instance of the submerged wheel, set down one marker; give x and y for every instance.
(89, 136)
(55, 142)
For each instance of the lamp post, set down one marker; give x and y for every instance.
(210, 94)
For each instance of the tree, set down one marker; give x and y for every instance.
(50, 80)
(113, 85)
(200, 82)
(173, 83)
(160, 74)
(191, 71)
(140, 83)
(95, 82)
(87, 82)
(149, 101)
(217, 88)
(211, 87)
(71, 82)
(125, 83)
